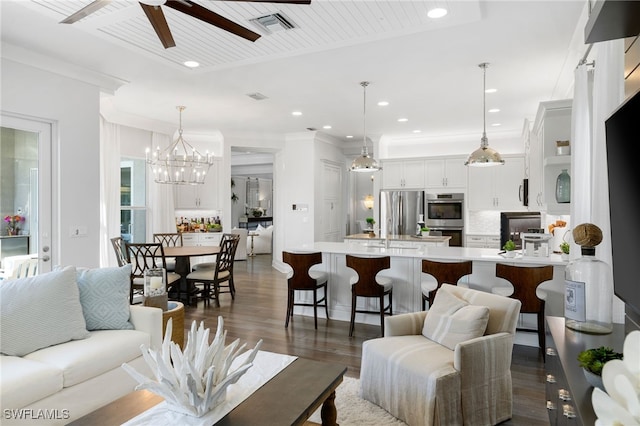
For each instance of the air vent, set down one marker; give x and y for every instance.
(273, 23)
(257, 96)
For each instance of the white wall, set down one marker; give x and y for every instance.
(74, 107)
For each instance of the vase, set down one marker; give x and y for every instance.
(593, 379)
(563, 187)
(11, 231)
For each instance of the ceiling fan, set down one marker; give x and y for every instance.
(153, 10)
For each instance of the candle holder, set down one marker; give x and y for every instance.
(155, 288)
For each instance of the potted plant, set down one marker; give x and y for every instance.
(564, 250)
(424, 231)
(592, 361)
(370, 222)
(509, 249)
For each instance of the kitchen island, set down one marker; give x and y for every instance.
(406, 272)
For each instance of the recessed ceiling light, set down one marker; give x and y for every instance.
(417, 131)
(494, 110)
(496, 124)
(191, 64)
(403, 120)
(383, 103)
(296, 113)
(326, 127)
(437, 12)
(349, 137)
(491, 91)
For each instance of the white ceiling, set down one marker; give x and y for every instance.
(427, 70)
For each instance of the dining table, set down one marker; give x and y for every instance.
(183, 256)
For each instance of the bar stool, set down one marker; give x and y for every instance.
(525, 280)
(302, 278)
(367, 284)
(443, 272)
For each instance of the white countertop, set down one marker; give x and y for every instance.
(445, 253)
(412, 238)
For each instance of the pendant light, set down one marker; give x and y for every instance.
(179, 163)
(364, 162)
(484, 156)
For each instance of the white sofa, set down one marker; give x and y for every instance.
(262, 241)
(67, 380)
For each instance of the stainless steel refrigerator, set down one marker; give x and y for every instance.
(400, 212)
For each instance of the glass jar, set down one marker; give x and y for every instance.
(588, 294)
(563, 187)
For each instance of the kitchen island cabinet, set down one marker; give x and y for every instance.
(406, 273)
(402, 241)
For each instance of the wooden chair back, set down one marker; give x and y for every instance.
(367, 269)
(525, 281)
(446, 272)
(169, 239)
(228, 246)
(121, 256)
(143, 256)
(301, 263)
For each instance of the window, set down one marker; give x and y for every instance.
(133, 196)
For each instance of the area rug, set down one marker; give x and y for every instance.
(355, 411)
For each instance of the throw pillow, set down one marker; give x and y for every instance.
(104, 296)
(451, 320)
(40, 311)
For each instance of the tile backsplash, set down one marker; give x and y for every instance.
(483, 222)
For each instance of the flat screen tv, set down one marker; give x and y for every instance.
(622, 138)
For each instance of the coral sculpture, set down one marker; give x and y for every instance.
(195, 381)
(620, 405)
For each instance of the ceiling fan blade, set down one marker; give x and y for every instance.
(192, 9)
(85, 11)
(159, 23)
(277, 1)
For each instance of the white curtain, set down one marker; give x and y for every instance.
(581, 149)
(109, 190)
(608, 93)
(160, 198)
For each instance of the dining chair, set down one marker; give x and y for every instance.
(443, 272)
(368, 284)
(172, 239)
(118, 248)
(143, 256)
(209, 281)
(302, 278)
(525, 281)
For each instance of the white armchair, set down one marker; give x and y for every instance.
(449, 377)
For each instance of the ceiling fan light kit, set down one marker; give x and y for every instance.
(484, 156)
(364, 162)
(179, 163)
(153, 10)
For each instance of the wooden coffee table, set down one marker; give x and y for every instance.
(289, 398)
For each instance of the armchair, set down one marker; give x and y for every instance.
(449, 377)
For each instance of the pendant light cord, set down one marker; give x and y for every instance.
(484, 140)
(364, 85)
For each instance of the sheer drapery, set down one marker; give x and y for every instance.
(109, 190)
(160, 197)
(581, 149)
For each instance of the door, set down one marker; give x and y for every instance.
(330, 219)
(29, 188)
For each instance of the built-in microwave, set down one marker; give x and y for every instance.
(444, 210)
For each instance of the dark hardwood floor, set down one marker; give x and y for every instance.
(259, 309)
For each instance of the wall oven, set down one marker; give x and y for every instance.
(445, 214)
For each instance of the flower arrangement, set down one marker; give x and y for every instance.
(13, 223)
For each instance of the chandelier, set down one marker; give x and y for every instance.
(179, 163)
(484, 156)
(364, 162)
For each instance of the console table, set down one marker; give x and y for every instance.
(567, 392)
(250, 222)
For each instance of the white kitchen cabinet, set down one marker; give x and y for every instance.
(553, 123)
(445, 173)
(204, 196)
(482, 241)
(497, 187)
(193, 239)
(403, 174)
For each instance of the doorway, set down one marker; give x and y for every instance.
(27, 190)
